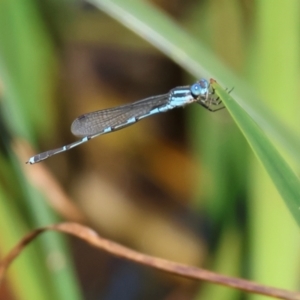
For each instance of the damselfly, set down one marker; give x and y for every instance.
(91, 125)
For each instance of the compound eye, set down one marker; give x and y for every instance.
(204, 84)
(196, 90)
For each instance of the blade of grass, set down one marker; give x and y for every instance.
(272, 66)
(27, 66)
(285, 180)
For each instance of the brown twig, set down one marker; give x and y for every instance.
(91, 237)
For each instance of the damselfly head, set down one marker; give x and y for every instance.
(200, 89)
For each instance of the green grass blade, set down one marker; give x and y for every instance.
(285, 180)
(27, 68)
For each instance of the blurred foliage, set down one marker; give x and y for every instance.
(183, 185)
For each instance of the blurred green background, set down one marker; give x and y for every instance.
(183, 185)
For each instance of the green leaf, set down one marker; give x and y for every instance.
(283, 177)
